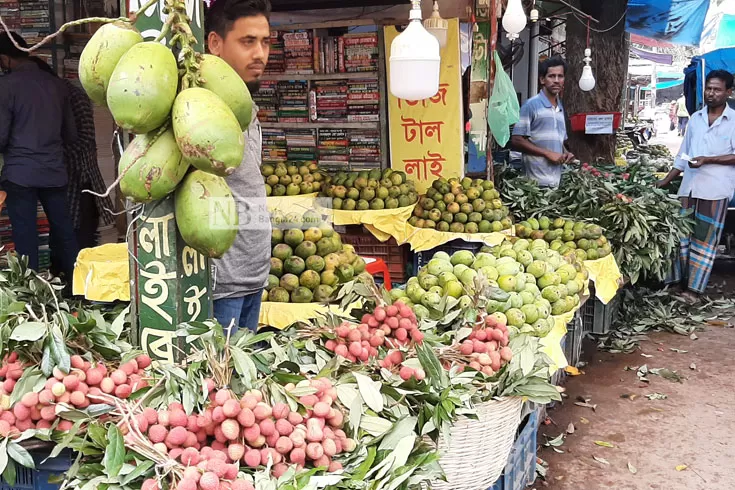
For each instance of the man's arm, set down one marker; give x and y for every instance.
(6, 117)
(679, 164)
(524, 145)
(68, 126)
(720, 160)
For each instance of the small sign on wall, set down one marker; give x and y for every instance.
(599, 124)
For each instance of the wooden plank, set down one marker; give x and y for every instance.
(383, 108)
(321, 125)
(319, 76)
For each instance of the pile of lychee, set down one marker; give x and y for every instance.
(250, 432)
(78, 389)
(487, 346)
(395, 358)
(390, 326)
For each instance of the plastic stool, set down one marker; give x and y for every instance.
(378, 266)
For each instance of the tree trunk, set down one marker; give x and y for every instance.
(609, 66)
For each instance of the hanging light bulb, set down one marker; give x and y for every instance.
(514, 20)
(437, 26)
(415, 60)
(587, 80)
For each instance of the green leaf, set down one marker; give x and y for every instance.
(140, 470)
(375, 426)
(9, 473)
(20, 455)
(28, 332)
(32, 380)
(604, 444)
(115, 452)
(98, 434)
(118, 323)
(370, 392)
(401, 429)
(3, 455)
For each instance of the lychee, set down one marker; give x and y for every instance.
(267, 427)
(30, 399)
(235, 451)
(143, 361)
(246, 418)
(252, 458)
(186, 484)
(209, 481)
(178, 418)
(58, 389)
(231, 429)
(284, 427)
(123, 391)
(222, 396)
(107, 385)
(157, 433)
(119, 377)
(262, 411)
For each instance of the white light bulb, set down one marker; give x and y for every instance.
(514, 20)
(587, 80)
(415, 60)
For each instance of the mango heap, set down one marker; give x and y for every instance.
(308, 262)
(372, 189)
(284, 179)
(466, 206)
(188, 117)
(583, 240)
(533, 283)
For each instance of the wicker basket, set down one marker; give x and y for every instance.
(476, 454)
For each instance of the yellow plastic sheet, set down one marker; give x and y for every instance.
(422, 239)
(552, 342)
(606, 275)
(283, 315)
(102, 273)
(389, 221)
(290, 204)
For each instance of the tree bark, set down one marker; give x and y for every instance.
(609, 66)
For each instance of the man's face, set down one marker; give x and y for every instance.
(245, 48)
(553, 82)
(716, 93)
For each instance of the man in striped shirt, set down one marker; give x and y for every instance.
(541, 132)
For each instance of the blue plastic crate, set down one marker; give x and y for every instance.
(520, 471)
(38, 479)
(420, 259)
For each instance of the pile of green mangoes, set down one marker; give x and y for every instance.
(370, 189)
(462, 206)
(584, 240)
(283, 179)
(308, 260)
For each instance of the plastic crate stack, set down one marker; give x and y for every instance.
(520, 471)
(42, 227)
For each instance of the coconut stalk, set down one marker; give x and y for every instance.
(183, 41)
(131, 19)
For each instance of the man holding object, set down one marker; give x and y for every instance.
(708, 182)
(541, 132)
(238, 31)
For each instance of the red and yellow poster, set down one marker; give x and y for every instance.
(427, 136)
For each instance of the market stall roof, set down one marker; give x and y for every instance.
(292, 5)
(675, 21)
(647, 41)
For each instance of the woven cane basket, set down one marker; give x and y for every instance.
(478, 449)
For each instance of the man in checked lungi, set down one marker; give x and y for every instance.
(707, 160)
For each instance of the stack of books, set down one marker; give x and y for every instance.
(293, 101)
(10, 12)
(277, 57)
(329, 102)
(298, 51)
(274, 145)
(301, 145)
(34, 21)
(267, 101)
(363, 101)
(360, 52)
(333, 148)
(364, 146)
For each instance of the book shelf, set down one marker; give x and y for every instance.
(323, 97)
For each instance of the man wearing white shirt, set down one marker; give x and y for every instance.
(707, 160)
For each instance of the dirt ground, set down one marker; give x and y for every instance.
(684, 442)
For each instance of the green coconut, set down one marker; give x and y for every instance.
(220, 78)
(100, 56)
(207, 132)
(151, 167)
(206, 214)
(143, 87)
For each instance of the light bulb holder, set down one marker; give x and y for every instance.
(534, 15)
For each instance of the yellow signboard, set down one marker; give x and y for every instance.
(427, 136)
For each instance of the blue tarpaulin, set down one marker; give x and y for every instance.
(676, 21)
(726, 32)
(700, 67)
(665, 85)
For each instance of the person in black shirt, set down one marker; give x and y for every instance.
(36, 120)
